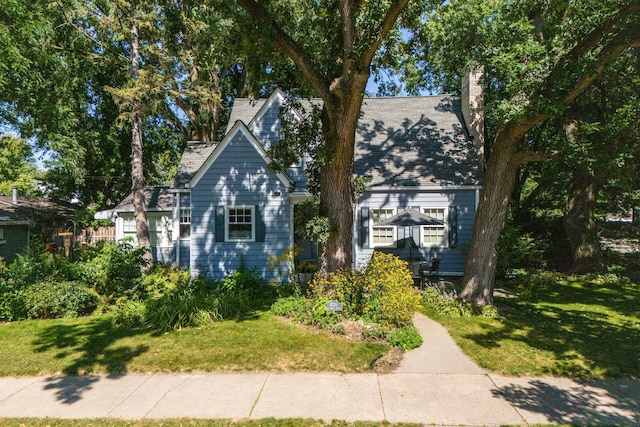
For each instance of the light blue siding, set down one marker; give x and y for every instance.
(267, 128)
(185, 253)
(452, 258)
(163, 254)
(238, 177)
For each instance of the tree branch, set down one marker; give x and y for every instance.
(385, 26)
(533, 156)
(290, 47)
(622, 30)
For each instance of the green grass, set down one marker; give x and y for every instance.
(189, 422)
(572, 327)
(259, 343)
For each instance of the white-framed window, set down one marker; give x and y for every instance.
(185, 223)
(129, 224)
(435, 235)
(382, 236)
(240, 224)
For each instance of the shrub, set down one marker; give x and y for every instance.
(175, 301)
(246, 282)
(32, 267)
(383, 293)
(193, 303)
(47, 300)
(407, 338)
(163, 278)
(118, 268)
(130, 314)
(389, 290)
(345, 286)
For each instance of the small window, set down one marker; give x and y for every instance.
(185, 223)
(382, 236)
(434, 235)
(240, 224)
(129, 224)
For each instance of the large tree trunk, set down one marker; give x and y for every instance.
(137, 170)
(336, 177)
(581, 228)
(493, 207)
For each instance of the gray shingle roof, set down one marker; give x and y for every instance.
(403, 141)
(157, 199)
(193, 157)
(244, 109)
(415, 141)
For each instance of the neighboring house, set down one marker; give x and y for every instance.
(159, 202)
(23, 218)
(14, 234)
(230, 209)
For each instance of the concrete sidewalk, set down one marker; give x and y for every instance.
(435, 384)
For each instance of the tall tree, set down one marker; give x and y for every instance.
(333, 44)
(17, 167)
(539, 57)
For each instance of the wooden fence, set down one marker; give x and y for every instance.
(91, 236)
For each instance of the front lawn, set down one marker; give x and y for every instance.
(583, 327)
(92, 345)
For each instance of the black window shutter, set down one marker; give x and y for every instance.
(260, 226)
(453, 226)
(219, 223)
(364, 227)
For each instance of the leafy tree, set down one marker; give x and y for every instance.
(595, 167)
(17, 167)
(538, 57)
(333, 44)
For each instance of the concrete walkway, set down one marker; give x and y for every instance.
(434, 385)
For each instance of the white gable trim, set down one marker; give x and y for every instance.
(238, 126)
(277, 95)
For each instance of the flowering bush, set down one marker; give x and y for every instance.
(390, 295)
(382, 293)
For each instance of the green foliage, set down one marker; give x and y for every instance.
(518, 249)
(48, 300)
(119, 270)
(407, 338)
(174, 300)
(17, 167)
(162, 279)
(445, 301)
(345, 286)
(34, 266)
(389, 290)
(381, 298)
(194, 303)
(307, 311)
(382, 293)
(129, 314)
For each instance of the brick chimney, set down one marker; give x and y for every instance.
(473, 105)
